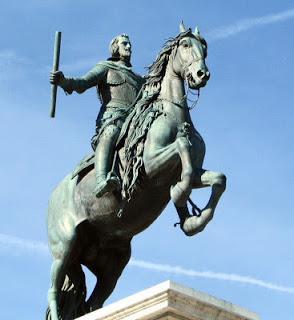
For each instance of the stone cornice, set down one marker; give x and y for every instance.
(171, 301)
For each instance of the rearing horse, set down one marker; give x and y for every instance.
(159, 158)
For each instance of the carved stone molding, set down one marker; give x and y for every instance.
(171, 301)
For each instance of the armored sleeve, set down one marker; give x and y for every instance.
(89, 80)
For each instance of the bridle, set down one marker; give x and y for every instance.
(185, 97)
(187, 89)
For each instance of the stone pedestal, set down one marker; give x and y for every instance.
(171, 301)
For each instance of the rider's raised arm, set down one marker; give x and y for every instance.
(89, 80)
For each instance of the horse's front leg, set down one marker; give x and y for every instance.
(166, 148)
(204, 178)
(181, 191)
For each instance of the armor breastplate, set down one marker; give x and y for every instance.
(121, 88)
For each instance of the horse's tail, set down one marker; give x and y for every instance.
(72, 296)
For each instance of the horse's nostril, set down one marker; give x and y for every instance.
(200, 74)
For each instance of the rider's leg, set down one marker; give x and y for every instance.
(106, 181)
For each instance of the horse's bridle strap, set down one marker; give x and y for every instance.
(191, 62)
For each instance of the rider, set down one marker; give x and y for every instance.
(117, 86)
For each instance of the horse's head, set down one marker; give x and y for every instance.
(189, 58)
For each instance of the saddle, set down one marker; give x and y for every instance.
(84, 166)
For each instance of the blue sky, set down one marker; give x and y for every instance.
(245, 255)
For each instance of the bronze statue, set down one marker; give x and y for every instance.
(117, 87)
(159, 158)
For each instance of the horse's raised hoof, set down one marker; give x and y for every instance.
(190, 226)
(193, 225)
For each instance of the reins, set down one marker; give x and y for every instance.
(185, 96)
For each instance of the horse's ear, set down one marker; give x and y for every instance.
(182, 27)
(197, 32)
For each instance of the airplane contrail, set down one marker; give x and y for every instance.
(209, 275)
(246, 24)
(21, 245)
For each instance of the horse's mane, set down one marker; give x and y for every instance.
(156, 70)
(144, 113)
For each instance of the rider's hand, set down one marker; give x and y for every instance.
(56, 77)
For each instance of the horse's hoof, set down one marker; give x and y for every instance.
(193, 225)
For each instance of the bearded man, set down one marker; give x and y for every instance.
(117, 86)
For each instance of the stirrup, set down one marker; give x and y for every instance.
(109, 184)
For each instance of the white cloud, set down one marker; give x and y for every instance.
(12, 65)
(17, 245)
(9, 57)
(246, 24)
(14, 244)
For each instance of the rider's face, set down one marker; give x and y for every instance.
(124, 48)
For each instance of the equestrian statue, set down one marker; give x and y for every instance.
(146, 153)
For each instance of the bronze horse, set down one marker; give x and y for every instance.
(159, 159)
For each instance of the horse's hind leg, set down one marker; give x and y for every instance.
(58, 272)
(107, 267)
(203, 178)
(73, 295)
(57, 277)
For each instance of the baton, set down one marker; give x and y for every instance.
(55, 68)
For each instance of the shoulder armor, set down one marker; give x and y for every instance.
(115, 77)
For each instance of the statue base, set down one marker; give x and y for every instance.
(171, 301)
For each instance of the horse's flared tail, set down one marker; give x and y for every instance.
(72, 296)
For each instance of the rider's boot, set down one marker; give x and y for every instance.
(106, 180)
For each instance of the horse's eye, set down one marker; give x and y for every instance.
(185, 45)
